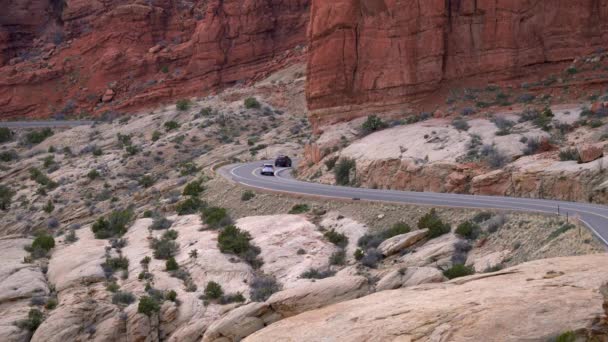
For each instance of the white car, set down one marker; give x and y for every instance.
(267, 170)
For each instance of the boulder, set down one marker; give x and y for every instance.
(410, 277)
(590, 152)
(398, 243)
(318, 294)
(481, 263)
(108, 95)
(436, 252)
(501, 307)
(239, 323)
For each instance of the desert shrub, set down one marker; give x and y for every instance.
(51, 304)
(460, 124)
(171, 125)
(125, 298)
(183, 105)
(232, 298)
(368, 241)
(461, 250)
(467, 111)
(93, 174)
(504, 126)
(338, 258)
(215, 217)
(123, 139)
(561, 230)
(567, 336)
(32, 322)
(247, 195)
(171, 295)
(396, 229)
(458, 270)
(194, 188)
(434, 224)
(299, 209)
(213, 290)
(189, 206)
(156, 135)
(262, 287)
(113, 287)
(532, 146)
(148, 306)
(170, 235)
(372, 124)
(171, 264)
(234, 240)
(115, 225)
(6, 135)
(371, 258)
(343, 169)
(314, 273)
(164, 248)
(48, 207)
(36, 137)
(482, 217)
(496, 223)
(251, 103)
(131, 150)
(468, 230)
(71, 237)
(494, 157)
(358, 254)
(7, 156)
(331, 162)
(161, 222)
(336, 238)
(525, 98)
(40, 178)
(6, 197)
(44, 241)
(146, 181)
(569, 154)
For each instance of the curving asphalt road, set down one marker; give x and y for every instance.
(593, 215)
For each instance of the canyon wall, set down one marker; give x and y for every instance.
(367, 54)
(71, 57)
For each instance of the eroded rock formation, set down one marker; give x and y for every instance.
(374, 54)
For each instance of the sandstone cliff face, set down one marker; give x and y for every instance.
(70, 53)
(379, 53)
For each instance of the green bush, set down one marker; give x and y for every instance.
(115, 225)
(215, 217)
(468, 230)
(125, 298)
(36, 137)
(93, 174)
(331, 162)
(568, 336)
(51, 304)
(299, 209)
(161, 222)
(45, 242)
(156, 135)
(213, 290)
(358, 254)
(97, 151)
(171, 264)
(164, 248)
(170, 235)
(569, 154)
(458, 270)
(433, 223)
(233, 240)
(189, 206)
(171, 295)
(343, 169)
(48, 207)
(372, 124)
(338, 258)
(40, 178)
(336, 238)
(118, 263)
(146, 181)
(247, 195)
(131, 150)
(232, 298)
(397, 229)
(194, 188)
(252, 102)
(314, 273)
(6, 197)
(33, 321)
(171, 125)
(148, 306)
(183, 105)
(6, 135)
(262, 287)
(460, 124)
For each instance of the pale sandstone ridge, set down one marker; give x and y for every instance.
(366, 54)
(398, 243)
(487, 307)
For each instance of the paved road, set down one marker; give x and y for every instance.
(594, 216)
(44, 124)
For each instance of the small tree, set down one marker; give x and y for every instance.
(171, 264)
(213, 290)
(434, 224)
(148, 306)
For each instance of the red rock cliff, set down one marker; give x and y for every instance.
(62, 56)
(378, 53)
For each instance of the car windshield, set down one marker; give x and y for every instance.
(267, 165)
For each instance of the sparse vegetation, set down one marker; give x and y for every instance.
(368, 241)
(247, 195)
(331, 162)
(93, 174)
(299, 209)
(434, 224)
(213, 290)
(32, 322)
(148, 306)
(372, 124)
(161, 222)
(194, 188)
(6, 196)
(569, 154)
(189, 206)
(38, 136)
(342, 171)
(336, 238)
(468, 230)
(183, 105)
(115, 225)
(6, 135)
(262, 287)
(252, 103)
(314, 273)
(171, 125)
(123, 298)
(458, 270)
(460, 124)
(164, 248)
(171, 264)
(215, 217)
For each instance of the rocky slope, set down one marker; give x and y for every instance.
(90, 57)
(372, 55)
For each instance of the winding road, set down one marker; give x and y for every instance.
(593, 215)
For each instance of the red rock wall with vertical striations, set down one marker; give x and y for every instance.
(62, 56)
(378, 53)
